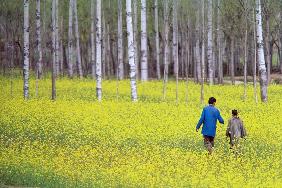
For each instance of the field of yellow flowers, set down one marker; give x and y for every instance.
(79, 142)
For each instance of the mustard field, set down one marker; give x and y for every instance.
(77, 141)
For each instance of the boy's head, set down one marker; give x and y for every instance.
(212, 100)
(234, 113)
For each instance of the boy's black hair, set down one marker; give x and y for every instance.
(212, 100)
(234, 112)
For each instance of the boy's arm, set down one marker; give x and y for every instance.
(201, 121)
(220, 119)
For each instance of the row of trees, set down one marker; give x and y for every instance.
(201, 39)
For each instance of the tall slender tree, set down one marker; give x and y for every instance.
(210, 43)
(166, 48)
(57, 40)
(120, 42)
(98, 51)
(203, 52)
(144, 60)
(260, 48)
(131, 51)
(219, 43)
(135, 36)
(197, 47)
(175, 43)
(54, 49)
(78, 52)
(92, 40)
(255, 61)
(70, 40)
(26, 50)
(157, 39)
(38, 41)
(38, 47)
(246, 50)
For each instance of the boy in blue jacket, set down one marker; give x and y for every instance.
(209, 117)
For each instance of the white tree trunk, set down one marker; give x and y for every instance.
(70, 40)
(255, 62)
(26, 50)
(38, 41)
(246, 50)
(245, 62)
(120, 42)
(92, 40)
(197, 48)
(135, 37)
(261, 61)
(103, 22)
(219, 44)
(203, 52)
(157, 39)
(210, 43)
(57, 46)
(98, 51)
(78, 55)
(144, 60)
(166, 47)
(131, 51)
(175, 43)
(54, 49)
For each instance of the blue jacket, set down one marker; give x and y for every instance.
(209, 117)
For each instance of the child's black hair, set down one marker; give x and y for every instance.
(234, 112)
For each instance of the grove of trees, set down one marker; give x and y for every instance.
(204, 40)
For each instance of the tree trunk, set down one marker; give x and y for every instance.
(131, 51)
(120, 42)
(38, 41)
(197, 48)
(261, 61)
(98, 51)
(219, 45)
(135, 36)
(144, 58)
(210, 43)
(26, 50)
(103, 46)
(57, 46)
(54, 49)
(232, 73)
(157, 39)
(175, 44)
(166, 47)
(245, 60)
(255, 61)
(203, 52)
(108, 52)
(92, 40)
(70, 40)
(78, 55)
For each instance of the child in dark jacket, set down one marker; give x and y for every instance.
(235, 129)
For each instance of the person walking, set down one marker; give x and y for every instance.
(235, 129)
(209, 117)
